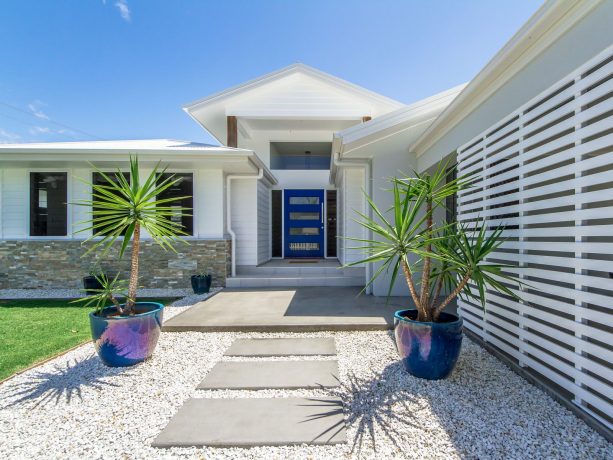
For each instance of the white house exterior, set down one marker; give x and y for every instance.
(535, 125)
(285, 185)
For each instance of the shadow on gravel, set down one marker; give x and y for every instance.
(63, 383)
(371, 407)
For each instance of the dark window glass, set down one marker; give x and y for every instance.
(98, 179)
(48, 204)
(303, 200)
(277, 223)
(304, 216)
(183, 188)
(304, 231)
(331, 220)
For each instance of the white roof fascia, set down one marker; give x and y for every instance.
(293, 68)
(84, 152)
(395, 121)
(543, 28)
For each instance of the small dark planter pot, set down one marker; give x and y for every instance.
(201, 284)
(428, 350)
(91, 284)
(126, 340)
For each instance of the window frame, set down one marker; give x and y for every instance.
(69, 197)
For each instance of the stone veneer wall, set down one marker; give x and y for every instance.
(32, 264)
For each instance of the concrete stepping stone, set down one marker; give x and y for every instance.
(249, 422)
(282, 347)
(257, 375)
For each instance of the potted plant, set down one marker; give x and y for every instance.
(91, 283)
(434, 257)
(127, 333)
(201, 283)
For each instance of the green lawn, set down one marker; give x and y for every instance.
(34, 330)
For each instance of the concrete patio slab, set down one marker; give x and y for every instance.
(290, 310)
(282, 347)
(252, 422)
(259, 375)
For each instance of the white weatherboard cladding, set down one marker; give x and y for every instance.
(15, 190)
(299, 95)
(352, 200)
(264, 236)
(305, 179)
(14, 207)
(209, 201)
(245, 220)
(546, 173)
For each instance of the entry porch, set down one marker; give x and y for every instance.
(299, 309)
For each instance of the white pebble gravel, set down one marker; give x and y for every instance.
(75, 407)
(78, 293)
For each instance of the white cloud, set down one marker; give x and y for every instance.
(45, 130)
(124, 10)
(37, 111)
(40, 130)
(6, 137)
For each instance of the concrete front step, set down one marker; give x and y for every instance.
(262, 375)
(249, 422)
(299, 270)
(258, 281)
(322, 346)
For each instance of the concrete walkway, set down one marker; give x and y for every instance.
(289, 309)
(249, 422)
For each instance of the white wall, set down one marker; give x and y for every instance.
(209, 201)
(244, 209)
(264, 235)
(307, 179)
(15, 190)
(352, 200)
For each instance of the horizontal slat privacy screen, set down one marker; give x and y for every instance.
(545, 173)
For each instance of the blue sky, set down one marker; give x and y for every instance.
(122, 69)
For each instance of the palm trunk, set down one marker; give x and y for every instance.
(421, 312)
(425, 275)
(133, 270)
(450, 297)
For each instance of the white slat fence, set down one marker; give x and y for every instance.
(545, 172)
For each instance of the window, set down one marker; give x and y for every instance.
(300, 155)
(48, 196)
(183, 188)
(331, 220)
(277, 223)
(98, 179)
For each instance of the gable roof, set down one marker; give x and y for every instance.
(289, 93)
(290, 70)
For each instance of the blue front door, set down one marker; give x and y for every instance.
(304, 223)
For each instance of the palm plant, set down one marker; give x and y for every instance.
(448, 256)
(122, 209)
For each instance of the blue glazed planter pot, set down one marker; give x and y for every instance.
(127, 340)
(428, 350)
